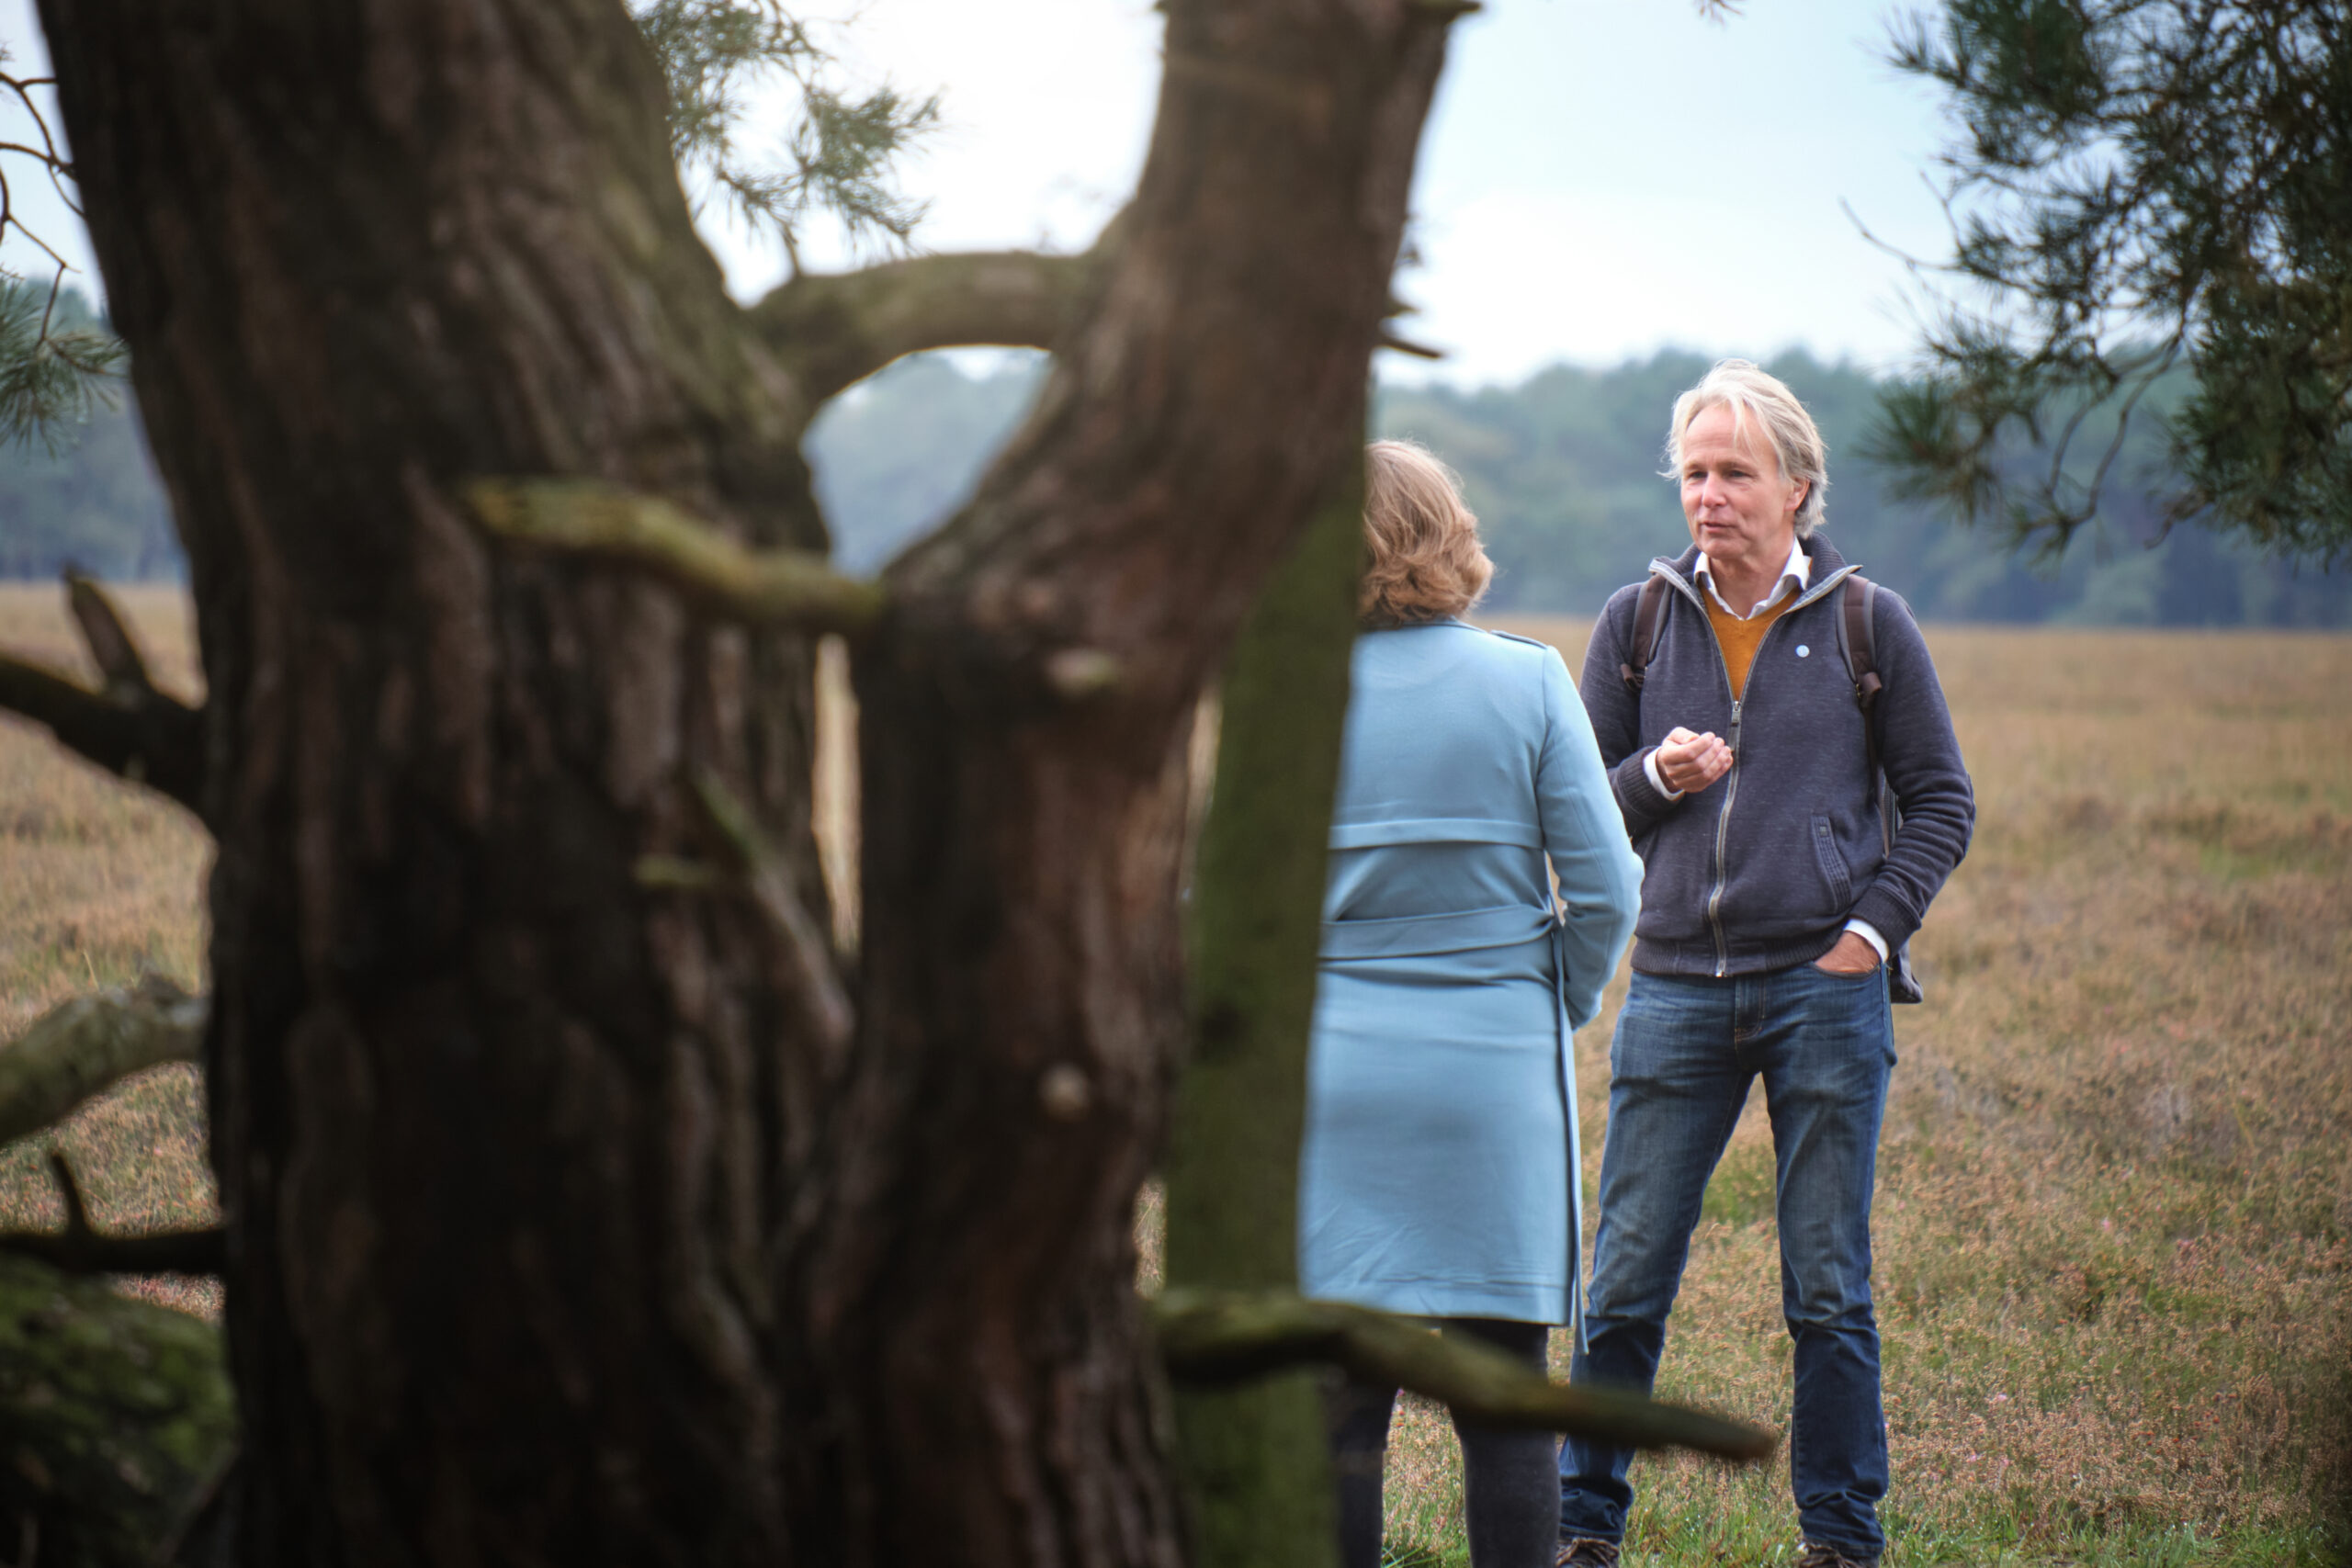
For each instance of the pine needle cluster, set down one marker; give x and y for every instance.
(839, 155)
(57, 364)
(2136, 185)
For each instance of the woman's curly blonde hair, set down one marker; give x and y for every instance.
(1426, 562)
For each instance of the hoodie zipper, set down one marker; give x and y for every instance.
(1723, 821)
(1731, 781)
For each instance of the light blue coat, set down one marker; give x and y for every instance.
(1438, 1172)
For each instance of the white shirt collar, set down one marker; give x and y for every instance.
(1794, 577)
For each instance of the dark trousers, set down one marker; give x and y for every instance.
(1685, 1053)
(1508, 1476)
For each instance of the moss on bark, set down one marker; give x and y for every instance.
(1254, 1455)
(115, 1418)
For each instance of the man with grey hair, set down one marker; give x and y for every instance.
(1763, 711)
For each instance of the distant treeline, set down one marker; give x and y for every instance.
(1561, 469)
(87, 496)
(1564, 471)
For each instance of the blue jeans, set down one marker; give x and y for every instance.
(1683, 1057)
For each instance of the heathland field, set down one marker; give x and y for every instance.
(2115, 1195)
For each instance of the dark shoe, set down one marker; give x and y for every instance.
(1812, 1556)
(1584, 1551)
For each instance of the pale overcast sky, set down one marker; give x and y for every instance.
(1600, 177)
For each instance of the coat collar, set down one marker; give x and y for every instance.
(1829, 569)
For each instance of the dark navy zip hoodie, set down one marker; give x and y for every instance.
(1762, 869)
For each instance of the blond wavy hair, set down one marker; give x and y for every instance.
(1425, 562)
(1759, 400)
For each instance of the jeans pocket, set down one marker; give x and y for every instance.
(1833, 865)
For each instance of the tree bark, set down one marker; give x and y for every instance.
(836, 329)
(557, 1230)
(499, 1133)
(971, 1272)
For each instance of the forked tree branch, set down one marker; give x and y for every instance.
(80, 1249)
(79, 1049)
(771, 587)
(127, 726)
(834, 328)
(1221, 1337)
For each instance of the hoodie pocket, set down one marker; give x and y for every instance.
(1833, 865)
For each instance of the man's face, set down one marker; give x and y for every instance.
(1743, 513)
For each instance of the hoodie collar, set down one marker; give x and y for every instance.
(1829, 567)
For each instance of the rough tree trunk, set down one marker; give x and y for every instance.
(496, 1132)
(557, 1231)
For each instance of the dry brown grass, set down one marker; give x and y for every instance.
(99, 883)
(2115, 1213)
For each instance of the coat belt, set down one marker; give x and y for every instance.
(1422, 936)
(1418, 936)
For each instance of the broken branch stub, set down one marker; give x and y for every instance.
(127, 726)
(795, 589)
(79, 1049)
(108, 637)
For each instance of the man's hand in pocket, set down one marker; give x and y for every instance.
(1852, 955)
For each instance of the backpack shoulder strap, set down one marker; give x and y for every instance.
(1859, 596)
(1857, 604)
(1858, 599)
(1648, 616)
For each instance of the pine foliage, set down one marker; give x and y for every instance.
(56, 365)
(54, 371)
(839, 157)
(2137, 185)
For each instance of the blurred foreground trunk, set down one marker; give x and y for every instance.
(566, 1219)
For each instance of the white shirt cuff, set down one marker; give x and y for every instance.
(1868, 933)
(1657, 782)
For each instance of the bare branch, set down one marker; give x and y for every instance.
(1405, 345)
(22, 86)
(774, 588)
(834, 328)
(1223, 1336)
(79, 1249)
(128, 727)
(79, 1049)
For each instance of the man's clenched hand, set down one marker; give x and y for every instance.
(1689, 762)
